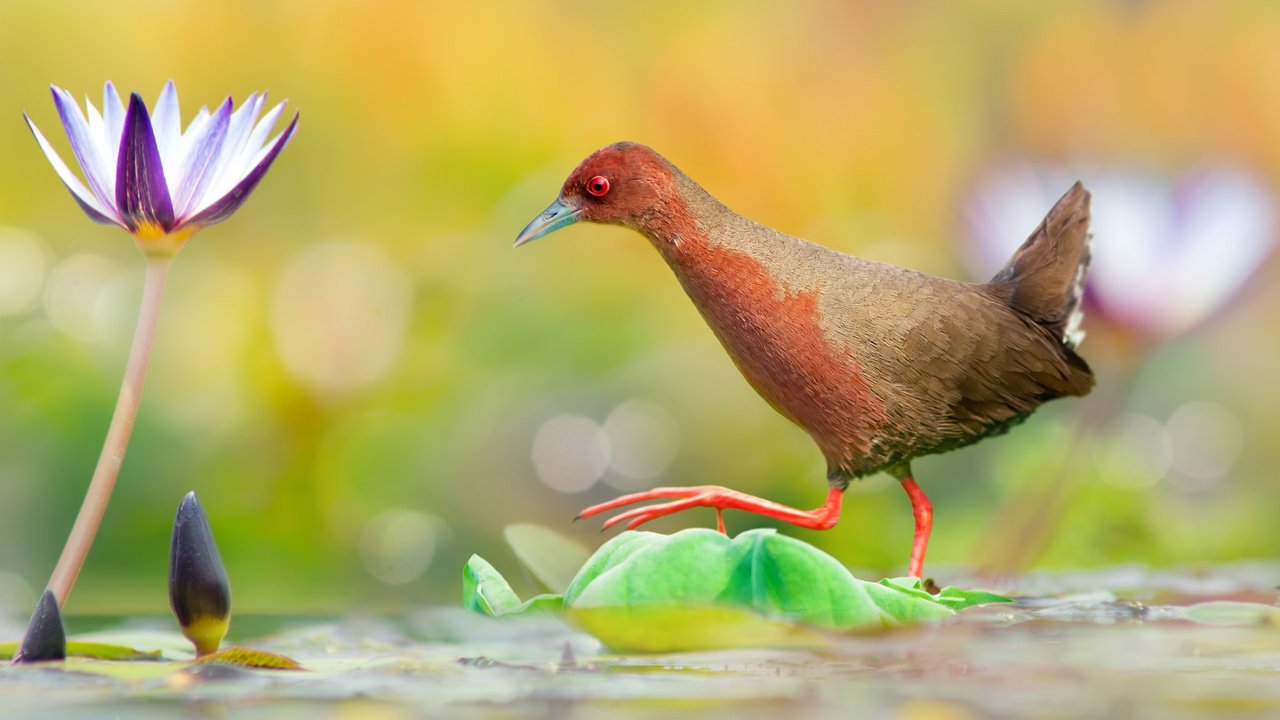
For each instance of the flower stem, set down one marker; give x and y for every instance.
(104, 475)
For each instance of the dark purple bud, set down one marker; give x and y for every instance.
(45, 639)
(198, 588)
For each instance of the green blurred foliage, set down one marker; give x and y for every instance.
(431, 132)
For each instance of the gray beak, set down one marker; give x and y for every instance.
(556, 216)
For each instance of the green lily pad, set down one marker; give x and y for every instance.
(951, 596)
(772, 575)
(1229, 613)
(245, 657)
(484, 590)
(673, 628)
(699, 589)
(95, 650)
(550, 557)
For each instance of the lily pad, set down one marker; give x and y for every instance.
(484, 590)
(699, 589)
(1228, 613)
(94, 650)
(246, 657)
(550, 557)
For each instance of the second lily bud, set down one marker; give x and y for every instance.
(198, 588)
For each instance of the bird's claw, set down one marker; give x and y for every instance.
(682, 499)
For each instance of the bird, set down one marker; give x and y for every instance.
(878, 364)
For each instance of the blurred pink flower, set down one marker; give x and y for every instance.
(1167, 252)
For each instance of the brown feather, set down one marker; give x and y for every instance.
(878, 363)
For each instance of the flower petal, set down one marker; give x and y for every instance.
(82, 144)
(239, 163)
(230, 165)
(104, 146)
(166, 120)
(196, 171)
(90, 204)
(142, 195)
(112, 112)
(258, 138)
(226, 205)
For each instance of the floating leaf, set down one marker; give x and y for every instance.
(548, 602)
(552, 558)
(773, 575)
(245, 657)
(671, 628)
(1229, 612)
(698, 589)
(953, 597)
(485, 590)
(95, 650)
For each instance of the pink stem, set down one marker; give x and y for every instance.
(104, 476)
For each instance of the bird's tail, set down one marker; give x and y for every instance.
(1044, 279)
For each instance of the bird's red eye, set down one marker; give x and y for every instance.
(598, 185)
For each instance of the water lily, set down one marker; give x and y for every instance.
(46, 639)
(144, 173)
(199, 592)
(1168, 252)
(150, 177)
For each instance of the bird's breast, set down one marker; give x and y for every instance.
(774, 335)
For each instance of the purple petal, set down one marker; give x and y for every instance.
(90, 204)
(197, 167)
(226, 205)
(142, 196)
(82, 144)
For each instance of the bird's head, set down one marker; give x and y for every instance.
(621, 184)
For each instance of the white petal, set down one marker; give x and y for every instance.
(200, 117)
(103, 145)
(1228, 230)
(113, 113)
(197, 169)
(69, 179)
(166, 123)
(258, 138)
(82, 145)
(231, 166)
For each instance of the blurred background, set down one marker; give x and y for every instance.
(365, 383)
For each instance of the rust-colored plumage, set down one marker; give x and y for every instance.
(877, 363)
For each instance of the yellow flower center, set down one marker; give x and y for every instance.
(153, 241)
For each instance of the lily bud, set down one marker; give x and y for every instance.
(45, 638)
(198, 589)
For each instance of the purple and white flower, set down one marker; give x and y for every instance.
(1167, 252)
(150, 177)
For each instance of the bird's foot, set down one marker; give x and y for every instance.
(717, 497)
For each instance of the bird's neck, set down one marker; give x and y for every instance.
(746, 281)
(687, 223)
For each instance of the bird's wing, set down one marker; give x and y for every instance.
(952, 362)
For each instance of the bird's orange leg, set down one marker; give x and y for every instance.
(923, 511)
(720, 498)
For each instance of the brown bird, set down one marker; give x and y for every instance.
(879, 364)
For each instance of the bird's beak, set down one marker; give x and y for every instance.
(556, 216)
